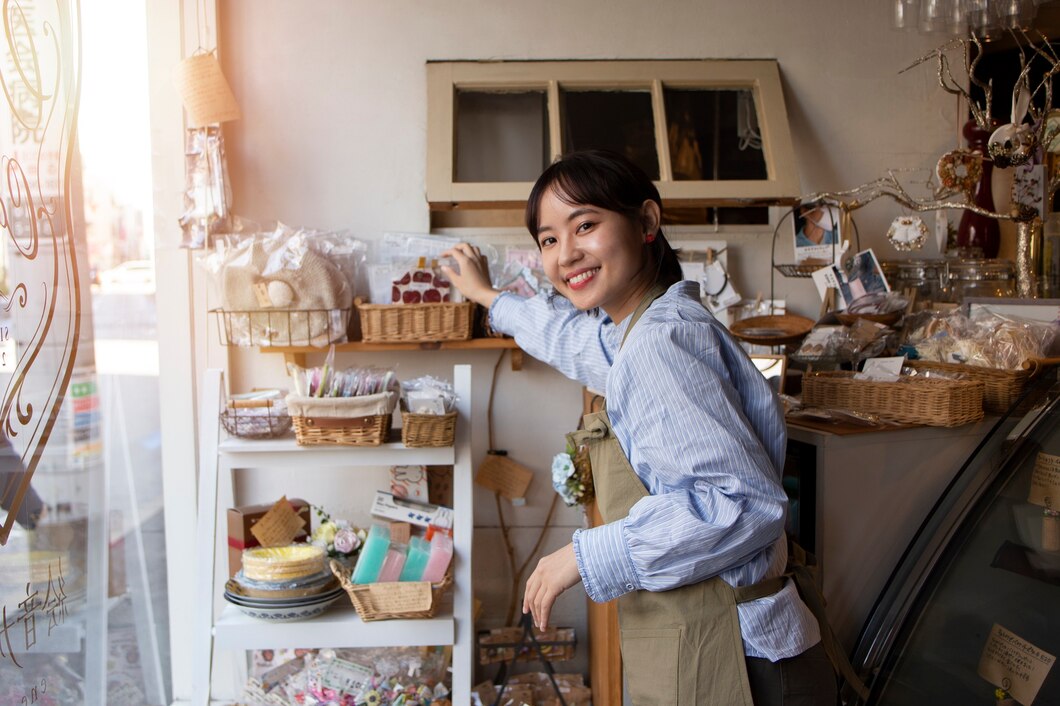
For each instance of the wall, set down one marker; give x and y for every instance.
(334, 136)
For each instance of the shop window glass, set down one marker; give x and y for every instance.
(501, 137)
(83, 615)
(714, 134)
(620, 121)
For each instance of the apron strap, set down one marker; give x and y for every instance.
(766, 587)
(799, 561)
(654, 293)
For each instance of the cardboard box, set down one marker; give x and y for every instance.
(241, 519)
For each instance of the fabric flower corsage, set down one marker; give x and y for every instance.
(572, 476)
(338, 537)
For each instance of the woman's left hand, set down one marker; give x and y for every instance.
(554, 574)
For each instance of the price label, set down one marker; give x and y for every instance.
(1015, 665)
(1045, 482)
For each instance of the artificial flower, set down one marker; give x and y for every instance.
(346, 541)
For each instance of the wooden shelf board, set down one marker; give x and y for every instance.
(362, 347)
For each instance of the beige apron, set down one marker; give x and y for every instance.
(684, 646)
(681, 646)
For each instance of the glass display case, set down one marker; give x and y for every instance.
(985, 563)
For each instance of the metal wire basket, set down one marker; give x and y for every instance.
(282, 327)
(256, 419)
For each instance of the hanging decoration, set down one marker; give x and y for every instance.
(208, 101)
(907, 233)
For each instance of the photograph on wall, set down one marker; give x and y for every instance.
(817, 233)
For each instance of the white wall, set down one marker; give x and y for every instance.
(334, 136)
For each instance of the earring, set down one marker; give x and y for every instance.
(649, 238)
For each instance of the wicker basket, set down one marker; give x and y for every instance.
(408, 323)
(930, 401)
(393, 600)
(343, 421)
(773, 330)
(1001, 387)
(427, 429)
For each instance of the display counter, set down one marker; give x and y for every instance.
(864, 493)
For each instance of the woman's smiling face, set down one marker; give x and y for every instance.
(596, 257)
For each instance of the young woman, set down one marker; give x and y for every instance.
(686, 459)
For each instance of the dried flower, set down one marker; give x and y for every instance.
(572, 476)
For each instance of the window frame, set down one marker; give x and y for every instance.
(761, 76)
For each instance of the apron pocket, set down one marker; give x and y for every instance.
(649, 661)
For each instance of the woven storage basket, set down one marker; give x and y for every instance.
(408, 323)
(427, 429)
(931, 401)
(1001, 388)
(392, 600)
(345, 421)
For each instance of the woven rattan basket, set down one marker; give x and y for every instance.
(427, 429)
(342, 421)
(408, 323)
(1001, 388)
(393, 600)
(911, 400)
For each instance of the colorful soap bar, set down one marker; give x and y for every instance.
(394, 562)
(373, 554)
(438, 561)
(419, 552)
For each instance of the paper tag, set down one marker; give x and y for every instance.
(347, 677)
(204, 91)
(505, 476)
(882, 369)
(279, 526)
(401, 597)
(1015, 665)
(261, 292)
(1045, 481)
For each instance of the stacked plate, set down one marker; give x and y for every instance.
(283, 601)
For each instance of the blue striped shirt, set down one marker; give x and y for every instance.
(704, 432)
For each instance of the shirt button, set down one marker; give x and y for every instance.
(629, 587)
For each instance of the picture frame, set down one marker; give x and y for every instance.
(816, 232)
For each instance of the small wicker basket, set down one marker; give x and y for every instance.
(910, 400)
(393, 600)
(1001, 388)
(409, 323)
(427, 429)
(343, 421)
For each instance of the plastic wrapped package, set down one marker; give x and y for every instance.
(286, 287)
(428, 395)
(282, 565)
(396, 255)
(987, 340)
(207, 191)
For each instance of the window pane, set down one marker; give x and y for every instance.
(614, 120)
(714, 135)
(501, 136)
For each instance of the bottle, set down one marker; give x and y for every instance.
(977, 232)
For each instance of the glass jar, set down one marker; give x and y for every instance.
(927, 277)
(981, 278)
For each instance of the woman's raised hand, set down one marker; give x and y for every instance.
(471, 276)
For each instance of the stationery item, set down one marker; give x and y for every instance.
(400, 510)
(373, 554)
(393, 563)
(438, 561)
(409, 482)
(416, 562)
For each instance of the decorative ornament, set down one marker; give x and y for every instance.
(1011, 145)
(907, 233)
(960, 170)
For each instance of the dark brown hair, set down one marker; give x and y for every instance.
(610, 181)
